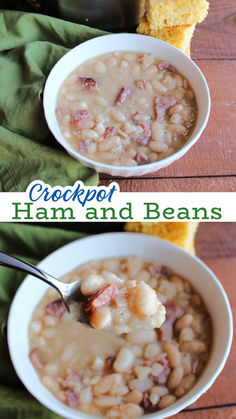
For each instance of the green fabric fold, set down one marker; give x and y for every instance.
(30, 45)
(31, 243)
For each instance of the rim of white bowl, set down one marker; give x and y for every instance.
(71, 413)
(109, 167)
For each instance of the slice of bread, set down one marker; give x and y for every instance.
(179, 36)
(180, 233)
(187, 50)
(161, 13)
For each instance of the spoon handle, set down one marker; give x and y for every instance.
(20, 265)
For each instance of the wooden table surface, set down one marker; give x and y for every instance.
(216, 246)
(210, 165)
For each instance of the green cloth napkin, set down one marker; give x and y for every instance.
(31, 243)
(30, 45)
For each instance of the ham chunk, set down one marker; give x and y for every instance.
(173, 313)
(125, 93)
(78, 117)
(163, 377)
(154, 269)
(162, 104)
(55, 309)
(88, 83)
(82, 146)
(109, 132)
(102, 297)
(166, 66)
(140, 84)
(143, 137)
(109, 361)
(71, 397)
(35, 359)
(141, 158)
(147, 405)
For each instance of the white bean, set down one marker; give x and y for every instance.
(194, 346)
(100, 67)
(158, 146)
(166, 401)
(85, 396)
(158, 86)
(97, 364)
(134, 396)
(142, 372)
(101, 318)
(106, 383)
(35, 327)
(124, 360)
(107, 401)
(130, 411)
(141, 385)
(89, 133)
(157, 131)
(51, 368)
(173, 355)
(145, 301)
(118, 116)
(140, 337)
(92, 284)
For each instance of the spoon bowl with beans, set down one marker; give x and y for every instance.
(96, 300)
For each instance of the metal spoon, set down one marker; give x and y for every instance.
(70, 293)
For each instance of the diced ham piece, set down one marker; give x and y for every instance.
(82, 146)
(102, 297)
(162, 104)
(59, 113)
(55, 309)
(109, 132)
(147, 405)
(137, 115)
(164, 65)
(109, 361)
(35, 359)
(140, 84)
(166, 271)
(154, 269)
(163, 377)
(70, 378)
(71, 397)
(143, 137)
(125, 93)
(78, 117)
(173, 313)
(164, 362)
(141, 159)
(71, 375)
(88, 83)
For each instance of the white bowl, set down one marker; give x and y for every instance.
(68, 257)
(126, 42)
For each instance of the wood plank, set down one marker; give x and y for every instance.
(213, 184)
(216, 241)
(215, 152)
(215, 413)
(215, 38)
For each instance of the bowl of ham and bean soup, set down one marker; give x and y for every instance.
(126, 104)
(161, 330)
